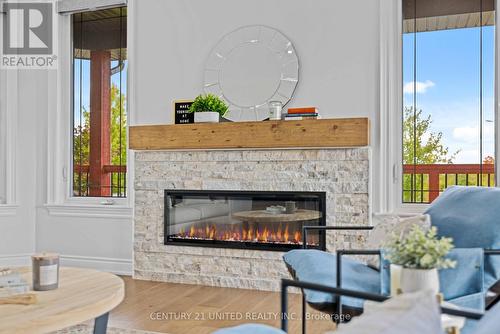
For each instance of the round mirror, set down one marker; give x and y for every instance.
(251, 67)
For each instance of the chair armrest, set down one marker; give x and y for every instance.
(337, 292)
(331, 228)
(285, 283)
(340, 253)
(493, 252)
(495, 288)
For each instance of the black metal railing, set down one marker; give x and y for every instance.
(117, 183)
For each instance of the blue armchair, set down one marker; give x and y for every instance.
(467, 214)
(471, 216)
(461, 285)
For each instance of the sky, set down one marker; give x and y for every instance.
(448, 86)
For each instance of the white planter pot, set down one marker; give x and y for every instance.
(413, 280)
(206, 117)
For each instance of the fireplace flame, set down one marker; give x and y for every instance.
(267, 234)
(297, 237)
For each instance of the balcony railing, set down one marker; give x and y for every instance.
(117, 185)
(424, 183)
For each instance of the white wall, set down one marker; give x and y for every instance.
(337, 42)
(3, 137)
(17, 233)
(101, 243)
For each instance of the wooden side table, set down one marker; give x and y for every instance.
(83, 294)
(262, 216)
(253, 219)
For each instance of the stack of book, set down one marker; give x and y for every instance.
(296, 114)
(11, 283)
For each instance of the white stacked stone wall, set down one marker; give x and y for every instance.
(342, 173)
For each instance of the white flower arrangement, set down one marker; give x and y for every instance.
(420, 249)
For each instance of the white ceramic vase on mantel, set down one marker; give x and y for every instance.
(413, 280)
(206, 117)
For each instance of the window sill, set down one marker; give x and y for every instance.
(90, 211)
(8, 210)
(411, 209)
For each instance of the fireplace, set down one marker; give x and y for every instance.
(262, 220)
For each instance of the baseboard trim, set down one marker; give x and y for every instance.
(15, 260)
(112, 265)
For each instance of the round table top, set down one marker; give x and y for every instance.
(83, 294)
(262, 216)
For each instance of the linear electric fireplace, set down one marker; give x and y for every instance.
(264, 220)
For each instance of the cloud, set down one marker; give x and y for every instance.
(470, 134)
(466, 134)
(420, 87)
(467, 157)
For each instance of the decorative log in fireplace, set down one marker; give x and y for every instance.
(261, 220)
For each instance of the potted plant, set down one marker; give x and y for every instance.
(208, 108)
(420, 254)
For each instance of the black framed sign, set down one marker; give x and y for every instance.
(181, 113)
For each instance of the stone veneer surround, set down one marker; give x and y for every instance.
(342, 173)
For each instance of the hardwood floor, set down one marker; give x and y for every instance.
(179, 309)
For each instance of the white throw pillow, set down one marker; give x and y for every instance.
(412, 313)
(386, 224)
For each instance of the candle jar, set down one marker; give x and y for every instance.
(45, 271)
(275, 108)
(290, 207)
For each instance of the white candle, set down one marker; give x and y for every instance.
(45, 271)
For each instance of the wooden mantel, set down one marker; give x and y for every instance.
(340, 132)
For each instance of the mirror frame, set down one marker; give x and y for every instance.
(278, 44)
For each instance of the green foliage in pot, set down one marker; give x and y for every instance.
(209, 102)
(420, 249)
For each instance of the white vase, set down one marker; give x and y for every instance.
(206, 117)
(413, 280)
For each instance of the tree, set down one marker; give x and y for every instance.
(81, 140)
(118, 127)
(489, 160)
(421, 146)
(118, 133)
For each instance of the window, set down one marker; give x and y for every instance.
(448, 123)
(99, 112)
